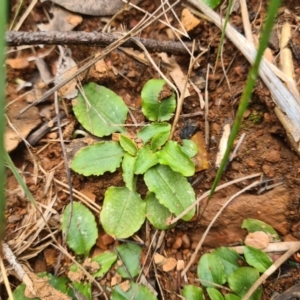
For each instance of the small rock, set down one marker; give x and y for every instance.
(170, 264)
(186, 242)
(159, 259)
(268, 171)
(116, 279)
(178, 242)
(180, 265)
(267, 118)
(257, 239)
(250, 163)
(273, 156)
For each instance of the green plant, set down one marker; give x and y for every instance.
(3, 12)
(164, 164)
(253, 74)
(225, 266)
(255, 117)
(129, 254)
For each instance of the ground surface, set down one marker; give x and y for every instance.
(265, 148)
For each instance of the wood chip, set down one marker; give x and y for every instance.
(170, 264)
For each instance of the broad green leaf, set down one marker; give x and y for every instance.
(253, 225)
(154, 106)
(19, 293)
(231, 297)
(128, 144)
(123, 212)
(130, 255)
(83, 289)
(211, 3)
(98, 159)
(214, 294)
(157, 214)
(229, 258)
(105, 261)
(189, 148)
(211, 269)
(148, 132)
(59, 283)
(191, 292)
(159, 140)
(128, 166)
(99, 110)
(241, 280)
(171, 189)
(83, 231)
(172, 156)
(257, 259)
(146, 159)
(135, 292)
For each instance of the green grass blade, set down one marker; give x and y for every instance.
(3, 11)
(19, 178)
(223, 31)
(252, 76)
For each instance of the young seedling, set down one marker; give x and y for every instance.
(164, 164)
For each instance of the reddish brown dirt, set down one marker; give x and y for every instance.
(265, 149)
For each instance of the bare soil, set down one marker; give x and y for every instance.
(265, 149)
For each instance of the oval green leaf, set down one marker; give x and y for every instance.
(241, 280)
(212, 3)
(159, 140)
(130, 255)
(229, 258)
(171, 189)
(231, 297)
(83, 231)
(105, 261)
(257, 259)
(146, 159)
(189, 148)
(211, 269)
(135, 291)
(98, 159)
(128, 167)
(128, 145)
(123, 212)
(154, 106)
(253, 225)
(148, 132)
(99, 110)
(157, 214)
(83, 290)
(172, 156)
(214, 294)
(191, 292)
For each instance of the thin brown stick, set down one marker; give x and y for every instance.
(17, 38)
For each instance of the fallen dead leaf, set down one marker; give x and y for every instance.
(170, 264)
(201, 160)
(257, 239)
(188, 20)
(23, 124)
(17, 63)
(62, 20)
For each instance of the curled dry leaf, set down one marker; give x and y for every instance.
(257, 239)
(188, 20)
(63, 20)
